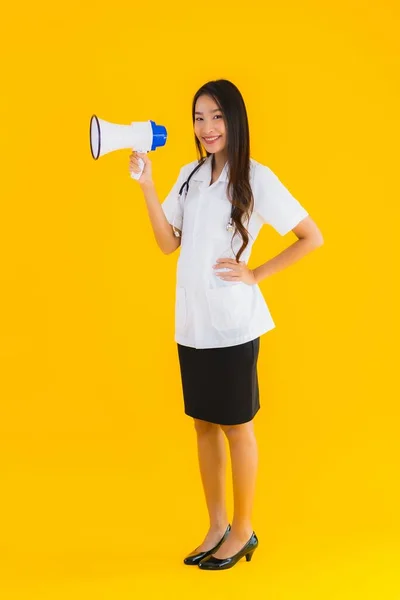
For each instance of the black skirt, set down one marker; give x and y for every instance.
(220, 385)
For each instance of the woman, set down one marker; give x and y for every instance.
(220, 312)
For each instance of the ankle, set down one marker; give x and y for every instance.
(219, 525)
(243, 529)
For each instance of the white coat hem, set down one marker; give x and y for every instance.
(233, 342)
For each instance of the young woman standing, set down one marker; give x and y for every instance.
(214, 213)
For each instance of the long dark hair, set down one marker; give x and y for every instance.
(230, 101)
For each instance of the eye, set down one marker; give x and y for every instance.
(220, 116)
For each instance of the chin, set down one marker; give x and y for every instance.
(213, 150)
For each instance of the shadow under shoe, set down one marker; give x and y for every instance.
(195, 557)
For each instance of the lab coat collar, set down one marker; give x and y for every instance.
(204, 173)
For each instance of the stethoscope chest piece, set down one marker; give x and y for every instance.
(230, 226)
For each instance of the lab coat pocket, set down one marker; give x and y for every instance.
(180, 308)
(230, 306)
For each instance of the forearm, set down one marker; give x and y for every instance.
(284, 259)
(162, 230)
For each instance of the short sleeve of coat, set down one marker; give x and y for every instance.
(173, 209)
(274, 203)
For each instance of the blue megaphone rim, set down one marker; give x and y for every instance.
(159, 135)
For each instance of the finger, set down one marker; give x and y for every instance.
(229, 273)
(229, 277)
(225, 265)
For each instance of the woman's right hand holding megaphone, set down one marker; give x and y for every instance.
(135, 167)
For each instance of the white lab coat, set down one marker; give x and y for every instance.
(211, 312)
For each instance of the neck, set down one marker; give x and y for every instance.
(218, 161)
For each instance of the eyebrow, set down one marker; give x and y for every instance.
(200, 113)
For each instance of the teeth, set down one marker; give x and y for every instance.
(211, 139)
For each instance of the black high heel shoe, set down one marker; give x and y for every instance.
(211, 562)
(195, 557)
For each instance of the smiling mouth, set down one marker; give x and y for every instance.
(212, 139)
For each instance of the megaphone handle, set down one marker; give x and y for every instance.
(141, 164)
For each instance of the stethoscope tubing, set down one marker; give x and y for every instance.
(230, 226)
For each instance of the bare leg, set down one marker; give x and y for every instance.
(244, 459)
(212, 462)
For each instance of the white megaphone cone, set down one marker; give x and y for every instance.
(142, 136)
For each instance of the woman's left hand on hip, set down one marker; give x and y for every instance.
(238, 271)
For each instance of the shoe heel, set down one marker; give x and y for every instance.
(249, 555)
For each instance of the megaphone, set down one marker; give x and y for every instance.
(142, 136)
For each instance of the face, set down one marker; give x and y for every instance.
(209, 123)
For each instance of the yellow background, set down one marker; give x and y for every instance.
(101, 494)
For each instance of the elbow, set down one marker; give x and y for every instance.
(167, 251)
(312, 241)
(319, 238)
(317, 243)
(316, 239)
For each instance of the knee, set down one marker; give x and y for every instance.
(240, 431)
(205, 426)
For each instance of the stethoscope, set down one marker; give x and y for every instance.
(229, 227)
